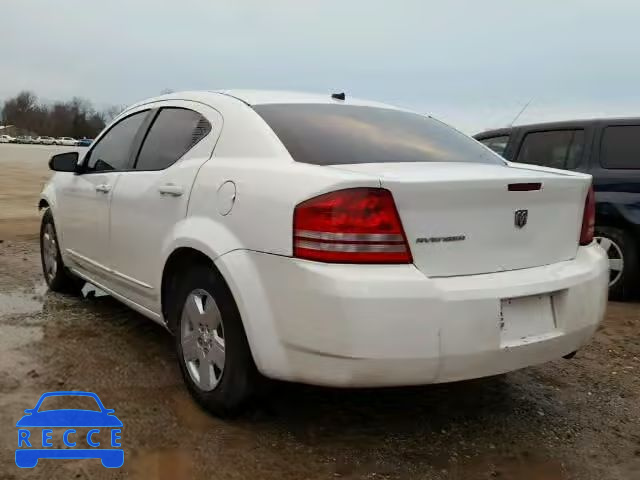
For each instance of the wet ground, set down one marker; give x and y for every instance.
(568, 419)
(576, 419)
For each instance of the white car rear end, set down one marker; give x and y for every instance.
(328, 241)
(483, 273)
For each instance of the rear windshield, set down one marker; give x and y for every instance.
(325, 134)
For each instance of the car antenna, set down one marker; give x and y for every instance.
(520, 112)
(338, 96)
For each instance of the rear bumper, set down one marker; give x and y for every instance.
(358, 325)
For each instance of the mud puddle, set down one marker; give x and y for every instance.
(21, 302)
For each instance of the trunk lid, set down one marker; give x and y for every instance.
(460, 218)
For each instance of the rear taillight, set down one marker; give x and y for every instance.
(588, 219)
(355, 225)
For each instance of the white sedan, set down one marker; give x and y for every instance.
(65, 141)
(45, 140)
(314, 239)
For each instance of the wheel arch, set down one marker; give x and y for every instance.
(47, 198)
(47, 202)
(180, 259)
(191, 238)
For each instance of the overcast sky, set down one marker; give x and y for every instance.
(472, 63)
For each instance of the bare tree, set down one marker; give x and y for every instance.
(75, 118)
(112, 112)
(20, 109)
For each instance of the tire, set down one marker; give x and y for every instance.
(623, 260)
(58, 278)
(221, 389)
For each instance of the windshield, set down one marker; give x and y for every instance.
(326, 134)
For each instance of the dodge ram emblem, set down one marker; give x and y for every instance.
(520, 218)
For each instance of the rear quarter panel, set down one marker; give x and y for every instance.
(267, 191)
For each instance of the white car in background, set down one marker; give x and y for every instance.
(7, 139)
(65, 141)
(327, 241)
(45, 140)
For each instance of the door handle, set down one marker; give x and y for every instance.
(104, 188)
(171, 190)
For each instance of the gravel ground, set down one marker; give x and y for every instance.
(24, 172)
(570, 419)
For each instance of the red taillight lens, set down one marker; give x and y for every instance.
(356, 225)
(588, 219)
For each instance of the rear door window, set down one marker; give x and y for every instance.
(556, 149)
(497, 144)
(327, 134)
(173, 133)
(620, 147)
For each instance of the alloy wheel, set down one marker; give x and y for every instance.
(616, 259)
(202, 339)
(50, 252)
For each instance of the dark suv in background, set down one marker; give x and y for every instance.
(608, 149)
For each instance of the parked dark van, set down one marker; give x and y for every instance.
(608, 149)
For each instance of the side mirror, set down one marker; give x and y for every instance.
(64, 162)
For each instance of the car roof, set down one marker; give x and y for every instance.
(578, 123)
(262, 97)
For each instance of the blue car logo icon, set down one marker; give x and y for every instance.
(29, 452)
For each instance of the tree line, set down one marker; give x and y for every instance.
(74, 118)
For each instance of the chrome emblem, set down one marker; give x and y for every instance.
(520, 218)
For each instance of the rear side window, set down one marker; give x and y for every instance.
(172, 134)
(497, 144)
(326, 134)
(620, 147)
(556, 149)
(113, 150)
